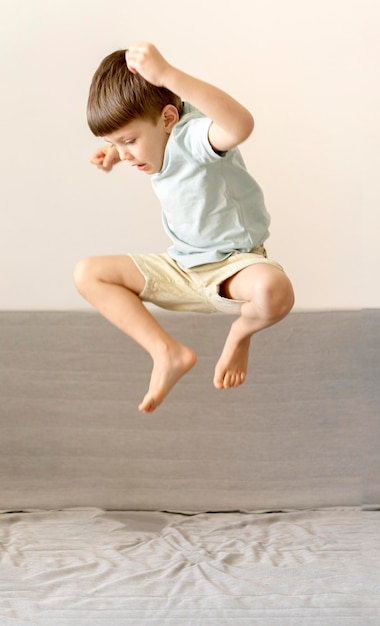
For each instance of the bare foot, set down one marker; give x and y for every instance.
(170, 365)
(231, 369)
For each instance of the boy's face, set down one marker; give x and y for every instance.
(142, 142)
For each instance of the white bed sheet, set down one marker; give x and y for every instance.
(87, 567)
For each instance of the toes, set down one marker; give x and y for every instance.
(241, 378)
(218, 381)
(232, 380)
(235, 380)
(229, 380)
(147, 406)
(218, 384)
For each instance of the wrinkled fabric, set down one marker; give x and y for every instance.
(88, 566)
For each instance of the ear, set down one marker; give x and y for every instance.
(169, 116)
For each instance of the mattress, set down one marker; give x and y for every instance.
(87, 566)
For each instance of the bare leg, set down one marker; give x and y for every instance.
(112, 285)
(268, 297)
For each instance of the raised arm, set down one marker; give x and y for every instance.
(231, 124)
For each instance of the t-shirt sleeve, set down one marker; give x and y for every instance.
(192, 137)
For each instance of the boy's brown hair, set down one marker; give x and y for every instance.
(117, 96)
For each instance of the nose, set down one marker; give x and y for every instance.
(124, 154)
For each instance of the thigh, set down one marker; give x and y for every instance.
(116, 269)
(246, 284)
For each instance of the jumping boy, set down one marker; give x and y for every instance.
(212, 209)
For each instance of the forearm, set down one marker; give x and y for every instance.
(230, 116)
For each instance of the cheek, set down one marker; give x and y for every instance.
(153, 151)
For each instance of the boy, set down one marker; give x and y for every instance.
(212, 210)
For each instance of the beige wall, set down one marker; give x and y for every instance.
(306, 71)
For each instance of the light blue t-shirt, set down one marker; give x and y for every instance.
(211, 205)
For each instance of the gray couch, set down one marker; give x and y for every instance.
(259, 505)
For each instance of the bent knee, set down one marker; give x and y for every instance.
(83, 274)
(275, 296)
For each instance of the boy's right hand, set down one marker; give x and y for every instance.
(105, 158)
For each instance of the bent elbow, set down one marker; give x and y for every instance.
(247, 126)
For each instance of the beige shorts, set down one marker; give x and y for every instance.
(170, 286)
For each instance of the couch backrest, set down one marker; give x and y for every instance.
(303, 431)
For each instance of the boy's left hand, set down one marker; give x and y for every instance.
(146, 60)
